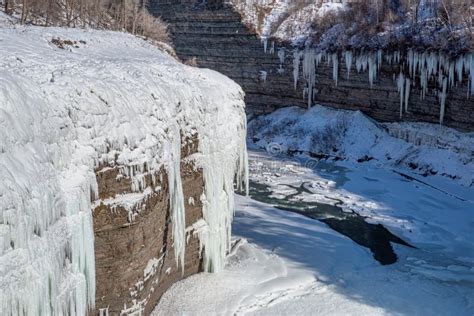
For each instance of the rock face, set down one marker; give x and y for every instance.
(135, 262)
(218, 39)
(91, 150)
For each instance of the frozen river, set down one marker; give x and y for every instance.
(334, 238)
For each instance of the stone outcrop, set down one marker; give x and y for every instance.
(218, 40)
(135, 261)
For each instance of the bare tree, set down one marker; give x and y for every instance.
(9, 6)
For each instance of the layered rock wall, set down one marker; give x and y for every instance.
(135, 261)
(217, 39)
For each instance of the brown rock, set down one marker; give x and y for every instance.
(124, 249)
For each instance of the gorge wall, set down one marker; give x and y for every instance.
(118, 166)
(134, 255)
(217, 39)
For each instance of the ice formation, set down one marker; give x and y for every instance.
(111, 100)
(425, 69)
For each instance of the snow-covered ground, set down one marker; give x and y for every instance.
(283, 19)
(287, 264)
(72, 100)
(430, 150)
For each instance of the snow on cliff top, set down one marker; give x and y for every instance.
(71, 99)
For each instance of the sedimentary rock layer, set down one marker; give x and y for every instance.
(219, 40)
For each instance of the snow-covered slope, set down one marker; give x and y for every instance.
(336, 24)
(427, 148)
(284, 19)
(71, 100)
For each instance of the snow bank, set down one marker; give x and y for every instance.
(427, 148)
(104, 98)
(284, 19)
(292, 265)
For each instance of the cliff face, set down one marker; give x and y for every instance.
(134, 255)
(107, 148)
(219, 40)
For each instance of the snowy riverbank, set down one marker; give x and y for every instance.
(290, 264)
(429, 150)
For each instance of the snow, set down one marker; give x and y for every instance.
(320, 24)
(131, 202)
(287, 264)
(109, 99)
(283, 263)
(352, 136)
(283, 19)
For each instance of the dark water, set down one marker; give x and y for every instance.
(373, 236)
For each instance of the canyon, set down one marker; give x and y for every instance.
(133, 236)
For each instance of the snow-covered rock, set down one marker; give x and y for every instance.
(71, 100)
(427, 148)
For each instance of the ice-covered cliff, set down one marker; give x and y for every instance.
(72, 100)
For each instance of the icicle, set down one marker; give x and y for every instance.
(442, 100)
(177, 202)
(396, 57)
(424, 83)
(218, 196)
(379, 59)
(348, 57)
(263, 76)
(401, 91)
(335, 67)
(296, 65)
(361, 62)
(281, 55)
(265, 43)
(272, 48)
(318, 59)
(407, 93)
(309, 72)
(372, 70)
(451, 74)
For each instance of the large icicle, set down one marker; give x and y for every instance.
(219, 170)
(407, 93)
(372, 69)
(296, 66)
(309, 73)
(401, 91)
(442, 100)
(335, 67)
(348, 58)
(177, 209)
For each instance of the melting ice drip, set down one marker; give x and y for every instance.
(415, 67)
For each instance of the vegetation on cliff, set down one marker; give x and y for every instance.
(375, 24)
